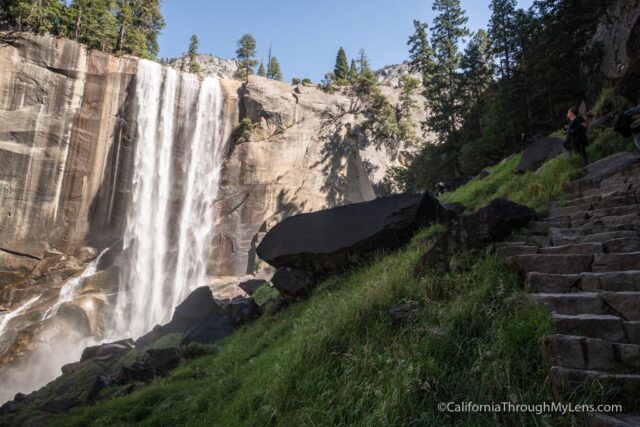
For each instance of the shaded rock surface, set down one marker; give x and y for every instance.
(539, 152)
(331, 240)
(492, 223)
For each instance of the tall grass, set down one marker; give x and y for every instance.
(336, 359)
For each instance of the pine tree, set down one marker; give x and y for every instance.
(341, 69)
(363, 62)
(273, 69)
(261, 71)
(139, 23)
(477, 66)
(420, 51)
(91, 22)
(194, 67)
(353, 71)
(444, 95)
(39, 16)
(245, 54)
(501, 31)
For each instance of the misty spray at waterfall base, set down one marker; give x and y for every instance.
(179, 150)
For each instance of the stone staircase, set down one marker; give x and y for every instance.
(582, 263)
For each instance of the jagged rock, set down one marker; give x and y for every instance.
(539, 152)
(456, 207)
(102, 381)
(107, 350)
(155, 362)
(242, 310)
(404, 312)
(292, 283)
(209, 330)
(60, 405)
(492, 223)
(451, 184)
(85, 253)
(332, 240)
(250, 286)
(197, 307)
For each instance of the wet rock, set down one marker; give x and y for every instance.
(85, 253)
(108, 350)
(102, 381)
(332, 240)
(292, 283)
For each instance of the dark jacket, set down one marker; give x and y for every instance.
(576, 134)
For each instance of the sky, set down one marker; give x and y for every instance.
(305, 35)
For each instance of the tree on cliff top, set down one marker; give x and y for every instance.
(194, 67)
(91, 22)
(37, 15)
(245, 54)
(341, 69)
(273, 69)
(139, 23)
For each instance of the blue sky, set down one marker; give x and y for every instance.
(305, 35)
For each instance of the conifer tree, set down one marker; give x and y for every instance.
(245, 54)
(420, 51)
(39, 16)
(353, 71)
(363, 62)
(261, 71)
(445, 98)
(194, 67)
(139, 23)
(341, 69)
(501, 31)
(273, 69)
(91, 22)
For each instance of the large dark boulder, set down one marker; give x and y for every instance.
(242, 310)
(210, 329)
(193, 310)
(292, 283)
(155, 362)
(107, 350)
(252, 285)
(498, 219)
(539, 152)
(332, 240)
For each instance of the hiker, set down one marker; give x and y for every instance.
(577, 135)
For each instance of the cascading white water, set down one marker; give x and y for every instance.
(170, 218)
(68, 290)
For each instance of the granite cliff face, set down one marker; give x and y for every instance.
(70, 132)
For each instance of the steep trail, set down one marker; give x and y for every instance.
(582, 263)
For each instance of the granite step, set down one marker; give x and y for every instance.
(567, 380)
(616, 262)
(603, 326)
(625, 305)
(578, 248)
(594, 238)
(616, 281)
(507, 250)
(554, 263)
(613, 420)
(577, 352)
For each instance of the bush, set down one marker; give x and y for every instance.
(609, 101)
(605, 142)
(242, 132)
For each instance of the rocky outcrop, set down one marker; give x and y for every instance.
(618, 38)
(492, 223)
(538, 152)
(332, 240)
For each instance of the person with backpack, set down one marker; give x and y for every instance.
(576, 140)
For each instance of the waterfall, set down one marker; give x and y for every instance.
(68, 290)
(177, 162)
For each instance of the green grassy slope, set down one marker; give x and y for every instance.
(336, 359)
